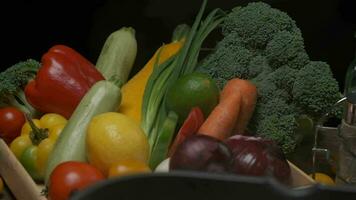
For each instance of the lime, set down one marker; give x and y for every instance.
(194, 89)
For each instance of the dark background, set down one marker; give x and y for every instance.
(30, 27)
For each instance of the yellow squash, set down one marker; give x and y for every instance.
(133, 90)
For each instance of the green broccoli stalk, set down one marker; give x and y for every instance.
(12, 82)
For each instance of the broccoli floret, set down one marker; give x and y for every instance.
(283, 47)
(275, 106)
(267, 90)
(299, 61)
(284, 78)
(258, 66)
(279, 129)
(257, 23)
(315, 89)
(228, 61)
(12, 82)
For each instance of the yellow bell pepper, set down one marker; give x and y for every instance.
(36, 142)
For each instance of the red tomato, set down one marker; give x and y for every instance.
(70, 176)
(190, 126)
(11, 122)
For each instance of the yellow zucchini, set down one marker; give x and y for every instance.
(133, 90)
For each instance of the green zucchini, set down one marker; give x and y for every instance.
(118, 55)
(103, 96)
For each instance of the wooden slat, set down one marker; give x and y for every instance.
(15, 176)
(299, 178)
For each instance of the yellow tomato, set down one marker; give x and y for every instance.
(128, 167)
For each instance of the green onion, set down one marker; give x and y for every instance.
(155, 117)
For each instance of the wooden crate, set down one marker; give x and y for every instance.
(24, 188)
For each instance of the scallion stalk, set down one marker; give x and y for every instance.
(155, 117)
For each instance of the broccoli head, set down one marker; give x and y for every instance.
(264, 45)
(315, 90)
(12, 82)
(257, 23)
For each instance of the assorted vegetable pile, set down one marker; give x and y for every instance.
(66, 116)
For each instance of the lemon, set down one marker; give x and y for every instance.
(113, 137)
(323, 179)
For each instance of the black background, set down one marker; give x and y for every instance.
(30, 27)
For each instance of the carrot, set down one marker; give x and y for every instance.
(249, 97)
(232, 114)
(222, 119)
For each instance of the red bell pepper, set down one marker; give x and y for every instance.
(62, 80)
(190, 126)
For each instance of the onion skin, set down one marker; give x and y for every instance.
(250, 160)
(201, 153)
(258, 157)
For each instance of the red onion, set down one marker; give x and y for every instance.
(258, 157)
(201, 153)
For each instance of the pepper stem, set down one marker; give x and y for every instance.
(36, 134)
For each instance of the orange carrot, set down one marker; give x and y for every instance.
(232, 114)
(222, 120)
(249, 97)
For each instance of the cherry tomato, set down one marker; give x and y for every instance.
(11, 121)
(128, 167)
(70, 176)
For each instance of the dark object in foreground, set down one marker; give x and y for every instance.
(193, 185)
